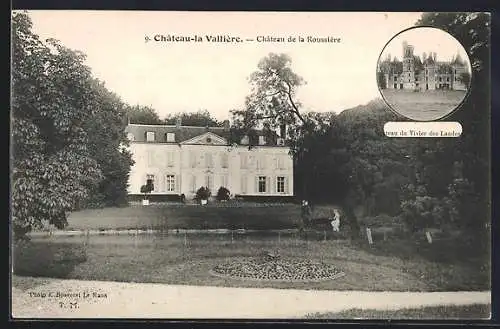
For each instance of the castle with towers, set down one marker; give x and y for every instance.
(421, 74)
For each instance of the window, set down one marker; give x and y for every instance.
(170, 137)
(448, 79)
(244, 140)
(209, 182)
(150, 136)
(193, 184)
(193, 158)
(150, 181)
(280, 184)
(170, 183)
(170, 159)
(209, 161)
(224, 181)
(243, 184)
(280, 162)
(224, 160)
(262, 140)
(244, 161)
(262, 184)
(261, 162)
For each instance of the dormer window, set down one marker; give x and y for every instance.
(262, 140)
(245, 140)
(170, 137)
(150, 136)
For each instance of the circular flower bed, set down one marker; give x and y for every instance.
(277, 270)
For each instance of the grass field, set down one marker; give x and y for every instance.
(231, 215)
(426, 106)
(462, 312)
(393, 265)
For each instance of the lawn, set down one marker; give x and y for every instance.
(230, 215)
(393, 265)
(427, 105)
(444, 312)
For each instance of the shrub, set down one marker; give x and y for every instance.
(146, 189)
(203, 193)
(223, 194)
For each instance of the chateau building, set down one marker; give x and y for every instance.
(421, 74)
(180, 159)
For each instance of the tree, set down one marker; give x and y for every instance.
(473, 31)
(108, 146)
(201, 118)
(272, 102)
(51, 102)
(143, 115)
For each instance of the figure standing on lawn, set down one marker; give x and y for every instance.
(306, 215)
(336, 220)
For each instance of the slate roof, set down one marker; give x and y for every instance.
(182, 133)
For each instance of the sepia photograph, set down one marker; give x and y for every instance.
(237, 165)
(424, 86)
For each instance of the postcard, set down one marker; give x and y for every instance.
(250, 165)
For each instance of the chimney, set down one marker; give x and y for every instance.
(178, 123)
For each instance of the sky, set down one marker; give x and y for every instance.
(426, 40)
(176, 77)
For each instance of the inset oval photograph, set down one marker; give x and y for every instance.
(423, 73)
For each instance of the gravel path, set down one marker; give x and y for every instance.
(54, 298)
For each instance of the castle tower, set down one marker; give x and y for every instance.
(408, 66)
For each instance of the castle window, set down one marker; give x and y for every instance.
(170, 183)
(224, 160)
(262, 184)
(224, 181)
(244, 161)
(150, 136)
(150, 181)
(280, 184)
(170, 159)
(209, 160)
(170, 137)
(261, 162)
(208, 182)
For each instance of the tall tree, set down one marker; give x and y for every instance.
(472, 149)
(143, 115)
(107, 145)
(52, 100)
(201, 118)
(273, 99)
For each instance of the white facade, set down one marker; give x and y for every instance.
(207, 160)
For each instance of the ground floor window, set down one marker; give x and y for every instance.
(150, 181)
(170, 183)
(193, 184)
(209, 182)
(262, 184)
(280, 184)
